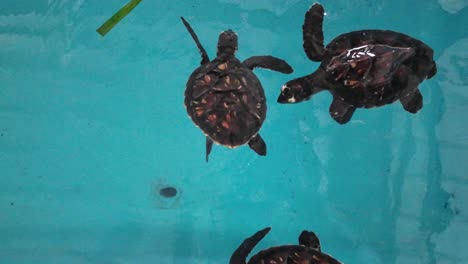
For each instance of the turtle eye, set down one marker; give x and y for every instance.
(286, 92)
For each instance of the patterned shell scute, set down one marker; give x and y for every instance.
(293, 254)
(369, 65)
(226, 101)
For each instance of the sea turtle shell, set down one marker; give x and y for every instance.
(308, 251)
(226, 101)
(371, 66)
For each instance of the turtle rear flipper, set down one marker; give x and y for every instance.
(312, 32)
(241, 253)
(411, 98)
(268, 62)
(209, 146)
(205, 58)
(341, 111)
(258, 145)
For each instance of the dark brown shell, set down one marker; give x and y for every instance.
(226, 101)
(297, 254)
(385, 84)
(369, 65)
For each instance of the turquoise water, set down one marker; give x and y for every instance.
(92, 127)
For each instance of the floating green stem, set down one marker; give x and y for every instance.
(111, 22)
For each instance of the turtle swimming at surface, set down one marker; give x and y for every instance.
(361, 69)
(225, 99)
(307, 252)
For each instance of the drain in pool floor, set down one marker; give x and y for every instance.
(168, 192)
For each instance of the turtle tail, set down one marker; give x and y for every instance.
(241, 253)
(312, 31)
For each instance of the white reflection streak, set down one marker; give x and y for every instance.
(453, 6)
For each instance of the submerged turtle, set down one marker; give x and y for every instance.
(225, 99)
(361, 69)
(307, 252)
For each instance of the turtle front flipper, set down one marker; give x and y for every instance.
(341, 111)
(312, 32)
(268, 62)
(241, 253)
(411, 98)
(205, 58)
(209, 146)
(258, 145)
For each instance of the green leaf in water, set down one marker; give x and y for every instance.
(111, 22)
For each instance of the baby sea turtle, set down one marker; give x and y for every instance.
(308, 251)
(225, 99)
(361, 69)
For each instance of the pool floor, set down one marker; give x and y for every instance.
(92, 129)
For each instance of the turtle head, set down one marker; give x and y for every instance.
(294, 91)
(227, 42)
(309, 239)
(301, 89)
